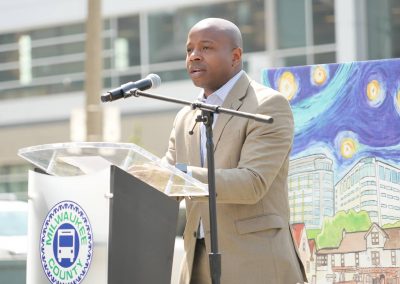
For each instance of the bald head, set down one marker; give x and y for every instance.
(222, 26)
(213, 53)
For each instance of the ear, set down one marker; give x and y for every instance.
(236, 56)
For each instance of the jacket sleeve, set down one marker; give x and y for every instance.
(171, 156)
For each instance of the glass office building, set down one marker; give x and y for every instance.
(373, 186)
(42, 57)
(311, 190)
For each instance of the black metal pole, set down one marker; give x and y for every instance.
(214, 255)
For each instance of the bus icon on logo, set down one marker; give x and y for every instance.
(66, 244)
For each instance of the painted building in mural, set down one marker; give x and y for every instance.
(362, 257)
(311, 190)
(371, 185)
(304, 247)
(371, 256)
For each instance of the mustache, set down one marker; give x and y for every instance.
(196, 67)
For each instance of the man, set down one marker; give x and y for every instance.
(251, 160)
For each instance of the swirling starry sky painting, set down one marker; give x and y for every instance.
(346, 111)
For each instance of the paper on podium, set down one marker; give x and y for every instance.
(87, 164)
(81, 158)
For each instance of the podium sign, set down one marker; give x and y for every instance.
(89, 220)
(50, 213)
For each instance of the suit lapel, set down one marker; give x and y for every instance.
(233, 101)
(194, 140)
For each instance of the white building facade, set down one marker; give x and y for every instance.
(371, 185)
(311, 185)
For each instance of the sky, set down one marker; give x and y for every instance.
(347, 111)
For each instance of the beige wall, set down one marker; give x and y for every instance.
(14, 138)
(150, 131)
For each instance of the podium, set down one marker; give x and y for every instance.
(102, 213)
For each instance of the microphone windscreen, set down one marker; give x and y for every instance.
(155, 80)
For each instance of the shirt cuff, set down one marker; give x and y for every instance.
(189, 171)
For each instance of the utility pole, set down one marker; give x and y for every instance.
(93, 72)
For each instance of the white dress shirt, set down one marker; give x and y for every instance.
(216, 98)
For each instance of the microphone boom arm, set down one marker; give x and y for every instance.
(203, 106)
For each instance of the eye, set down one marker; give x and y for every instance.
(188, 50)
(206, 47)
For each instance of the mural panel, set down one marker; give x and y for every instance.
(344, 177)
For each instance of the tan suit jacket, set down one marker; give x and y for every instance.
(251, 160)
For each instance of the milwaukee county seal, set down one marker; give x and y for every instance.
(66, 243)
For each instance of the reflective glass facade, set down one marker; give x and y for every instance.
(383, 29)
(47, 61)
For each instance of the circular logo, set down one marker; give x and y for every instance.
(66, 243)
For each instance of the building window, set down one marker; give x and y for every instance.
(375, 238)
(393, 257)
(333, 260)
(168, 30)
(322, 260)
(59, 31)
(375, 258)
(373, 214)
(381, 173)
(14, 180)
(25, 59)
(357, 259)
(393, 176)
(127, 44)
(387, 174)
(369, 203)
(288, 17)
(53, 55)
(342, 259)
(323, 21)
(383, 27)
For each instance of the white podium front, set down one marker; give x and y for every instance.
(92, 222)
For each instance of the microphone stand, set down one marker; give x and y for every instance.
(207, 116)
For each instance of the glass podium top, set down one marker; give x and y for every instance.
(72, 159)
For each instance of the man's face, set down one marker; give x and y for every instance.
(210, 59)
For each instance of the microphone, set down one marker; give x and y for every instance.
(151, 81)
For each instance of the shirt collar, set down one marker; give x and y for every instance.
(218, 97)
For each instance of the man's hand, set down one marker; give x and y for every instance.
(152, 174)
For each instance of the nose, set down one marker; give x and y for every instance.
(194, 55)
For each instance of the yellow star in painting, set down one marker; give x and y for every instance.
(373, 90)
(287, 85)
(348, 148)
(319, 75)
